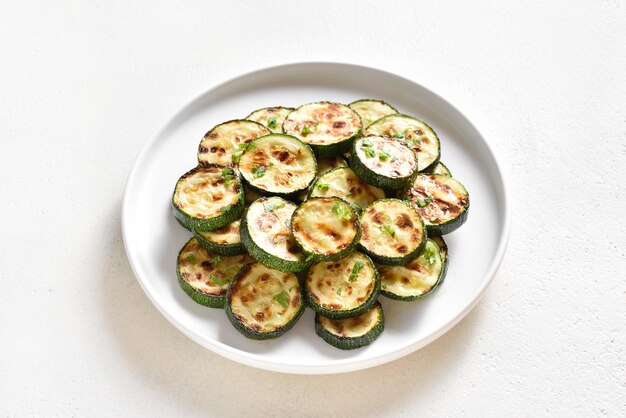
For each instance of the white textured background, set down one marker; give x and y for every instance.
(83, 86)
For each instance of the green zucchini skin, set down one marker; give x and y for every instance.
(227, 214)
(264, 257)
(351, 343)
(324, 149)
(391, 260)
(216, 302)
(378, 179)
(205, 299)
(397, 124)
(219, 248)
(443, 250)
(343, 313)
(298, 230)
(431, 212)
(250, 332)
(385, 270)
(246, 164)
(442, 170)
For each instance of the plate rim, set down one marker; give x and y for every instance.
(343, 365)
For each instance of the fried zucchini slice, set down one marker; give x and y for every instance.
(370, 110)
(343, 182)
(207, 198)
(384, 162)
(328, 127)
(323, 165)
(278, 164)
(442, 201)
(271, 117)
(263, 303)
(224, 144)
(205, 276)
(415, 280)
(343, 288)
(415, 133)
(329, 163)
(326, 228)
(266, 234)
(223, 241)
(352, 333)
(442, 170)
(393, 232)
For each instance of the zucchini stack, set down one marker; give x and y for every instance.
(325, 205)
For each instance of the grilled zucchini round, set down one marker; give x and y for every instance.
(205, 276)
(352, 333)
(324, 165)
(371, 110)
(328, 127)
(393, 232)
(442, 201)
(326, 228)
(415, 133)
(344, 288)
(224, 144)
(442, 170)
(207, 198)
(415, 280)
(278, 164)
(263, 303)
(266, 234)
(223, 241)
(384, 162)
(271, 117)
(344, 183)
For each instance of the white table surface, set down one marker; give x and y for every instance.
(83, 86)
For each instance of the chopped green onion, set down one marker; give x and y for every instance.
(258, 172)
(271, 122)
(220, 281)
(369, 152)
(399, 136)
(282, 298)
(433, 219)
(322, 187)
(191, 258)
(272, 206)
(236, 156)
(429, 255)
(367, 142)
(355, 271)
(339, 291)
(344, 213)
(388, 229)
(305, 130)
(423, 202)
(228, 173)
(216, 260)
(383, 156)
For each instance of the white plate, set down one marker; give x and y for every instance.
(153, 238)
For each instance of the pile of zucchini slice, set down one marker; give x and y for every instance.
(325, 205)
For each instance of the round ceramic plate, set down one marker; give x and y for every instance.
(153, 238)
